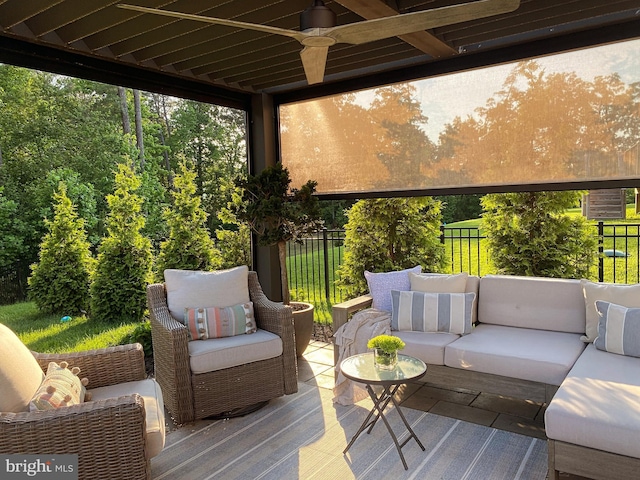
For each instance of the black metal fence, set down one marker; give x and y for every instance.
(312, 265)
(13, 283)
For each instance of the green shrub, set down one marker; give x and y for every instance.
(531, 234)
(189, 245)
(118, 291)
(142, 335)
(390, 234)
(59, 282)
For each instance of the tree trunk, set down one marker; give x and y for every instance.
(282, 256)
(139, 140)
(165, 154)
(124, 111)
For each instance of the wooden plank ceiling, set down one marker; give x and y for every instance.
(250, 61)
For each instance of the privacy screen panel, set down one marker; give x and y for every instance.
(571, 117)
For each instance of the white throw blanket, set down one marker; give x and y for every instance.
(351, 339)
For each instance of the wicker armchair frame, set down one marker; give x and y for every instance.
(108, 435)
(189, 396)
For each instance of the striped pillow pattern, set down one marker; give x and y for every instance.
(618, 329)
(431, 312)
(213, 322)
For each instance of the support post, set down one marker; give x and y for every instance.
(263, 152)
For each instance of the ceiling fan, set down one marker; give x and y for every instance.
(318, 29)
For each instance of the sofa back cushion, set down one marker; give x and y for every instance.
(471, 285)
(198, 289)
(532, 302)
(20, 374)
(625, 295)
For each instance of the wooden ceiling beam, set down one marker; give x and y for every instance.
(423, 41)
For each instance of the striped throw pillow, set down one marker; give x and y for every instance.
(213, 322)
(431, 312)
(618, 329)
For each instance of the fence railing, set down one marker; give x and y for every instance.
(312, 265)
(13, 283)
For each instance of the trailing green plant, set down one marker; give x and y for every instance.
(390, 234)
(189, 246)
(386, 343)
(276, 213)
(530, 233)
(118, 291)
(59, 282)
(142, 335)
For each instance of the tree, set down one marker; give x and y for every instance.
(277, 215)
(234, 237)
(118, 291)
(531, 234)
(11, 232)
(460, 207)
(390, 234)
(404, 148)
(59, 282)
(189, 245)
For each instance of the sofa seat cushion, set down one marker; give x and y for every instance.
(150, 392)
(527, 354)
(553, 304)
(428, 347)
(20, 373)
(597, 405)
(220, 353)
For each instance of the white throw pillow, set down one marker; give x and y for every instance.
(20, 373)
(436, 283)
(381, 284)
(189, 289)
(624, 295)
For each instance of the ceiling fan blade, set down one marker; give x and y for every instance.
(386, 27)
(314, 60)
(219, 21)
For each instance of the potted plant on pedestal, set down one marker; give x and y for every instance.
(385, 351)
(278, 214)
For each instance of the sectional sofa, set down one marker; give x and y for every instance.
(535, 338)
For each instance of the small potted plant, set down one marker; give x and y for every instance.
(385, 350)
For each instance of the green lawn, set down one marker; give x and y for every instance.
(306, 266)
(47, 334)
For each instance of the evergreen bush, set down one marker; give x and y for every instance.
(530, 233)
(118, 291)
(59, 282)
(390, 234)
(189, 246)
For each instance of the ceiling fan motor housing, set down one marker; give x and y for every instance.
(317, 16)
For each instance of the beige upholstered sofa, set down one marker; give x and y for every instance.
(532, 339)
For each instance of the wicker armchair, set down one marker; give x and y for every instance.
(189, 396)
(108, 435)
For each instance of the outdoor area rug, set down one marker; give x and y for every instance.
(302, 436)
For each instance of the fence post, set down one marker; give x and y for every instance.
(601, 251)
(442, 234)
(325, 246)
